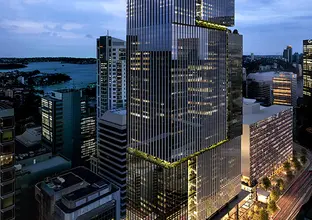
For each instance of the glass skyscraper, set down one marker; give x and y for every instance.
(184, 108)
(307, 72)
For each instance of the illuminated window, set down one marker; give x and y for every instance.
(5, 203)
(7, 136)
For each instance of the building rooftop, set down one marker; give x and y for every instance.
(54, 161)
(115, 116)
(30, 137)
(5, 105)
(268, 76)
(119, 111)
(263, 192)
(252, 117)
(76, 188)
(23, 153)
(66, 90)
(6, 109)
(75, 176)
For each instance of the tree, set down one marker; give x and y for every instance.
(296, 164)
(289, 175)
(287, 166)
(303, 159)
(274, 195)
(263, 215)
(266, 183)
(256, 209)
(250, 213)
(280, 184)
(272, 207)
(304, 151)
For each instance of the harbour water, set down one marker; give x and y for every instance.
(81, 74)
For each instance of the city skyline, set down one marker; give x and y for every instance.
(69, 28)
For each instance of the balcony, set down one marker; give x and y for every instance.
(7, 175)
(7, 148)
(6, 122)
(8, 215)
(7, 191)
(7, 135)
(7, 203)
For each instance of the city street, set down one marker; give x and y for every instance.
(291, 202)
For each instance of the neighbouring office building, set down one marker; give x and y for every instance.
(263, 151)
(268, 88)
(307, 79)
(112, 148)
(77, 194)
(288, 54)
(184, 156)
(87, 130)
(111, 74)
(68, 125)
(110, 161)
(7, 180)
(285, 89)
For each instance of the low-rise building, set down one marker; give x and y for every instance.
(262, 195)
(31, 137)
(267, 140)
(28, 172)
(77, 194)
(273, 87)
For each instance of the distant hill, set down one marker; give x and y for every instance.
(49, 59)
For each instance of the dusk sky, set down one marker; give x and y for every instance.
(31, 28)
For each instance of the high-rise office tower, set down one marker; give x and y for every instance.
(111, 76)
(296, 58)
(307, 83)
(87, 130)
(7, 180)
(287, 54)
(68, 126)
(112, 149)
(110, 161)
(307, 71)
(183, 152)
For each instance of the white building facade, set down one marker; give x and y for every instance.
(263, 151)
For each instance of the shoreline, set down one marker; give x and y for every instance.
(12, 66)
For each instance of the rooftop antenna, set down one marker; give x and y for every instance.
(107, 32)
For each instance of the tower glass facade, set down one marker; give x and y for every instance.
(181, 158)
(7, 178)
(111, 76)
(307, 70)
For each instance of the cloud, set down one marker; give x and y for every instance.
(113, 7)
(67, 35)
(33, 1)
(26, 26)
(33, 27)
(264, 12)
(72, 26)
